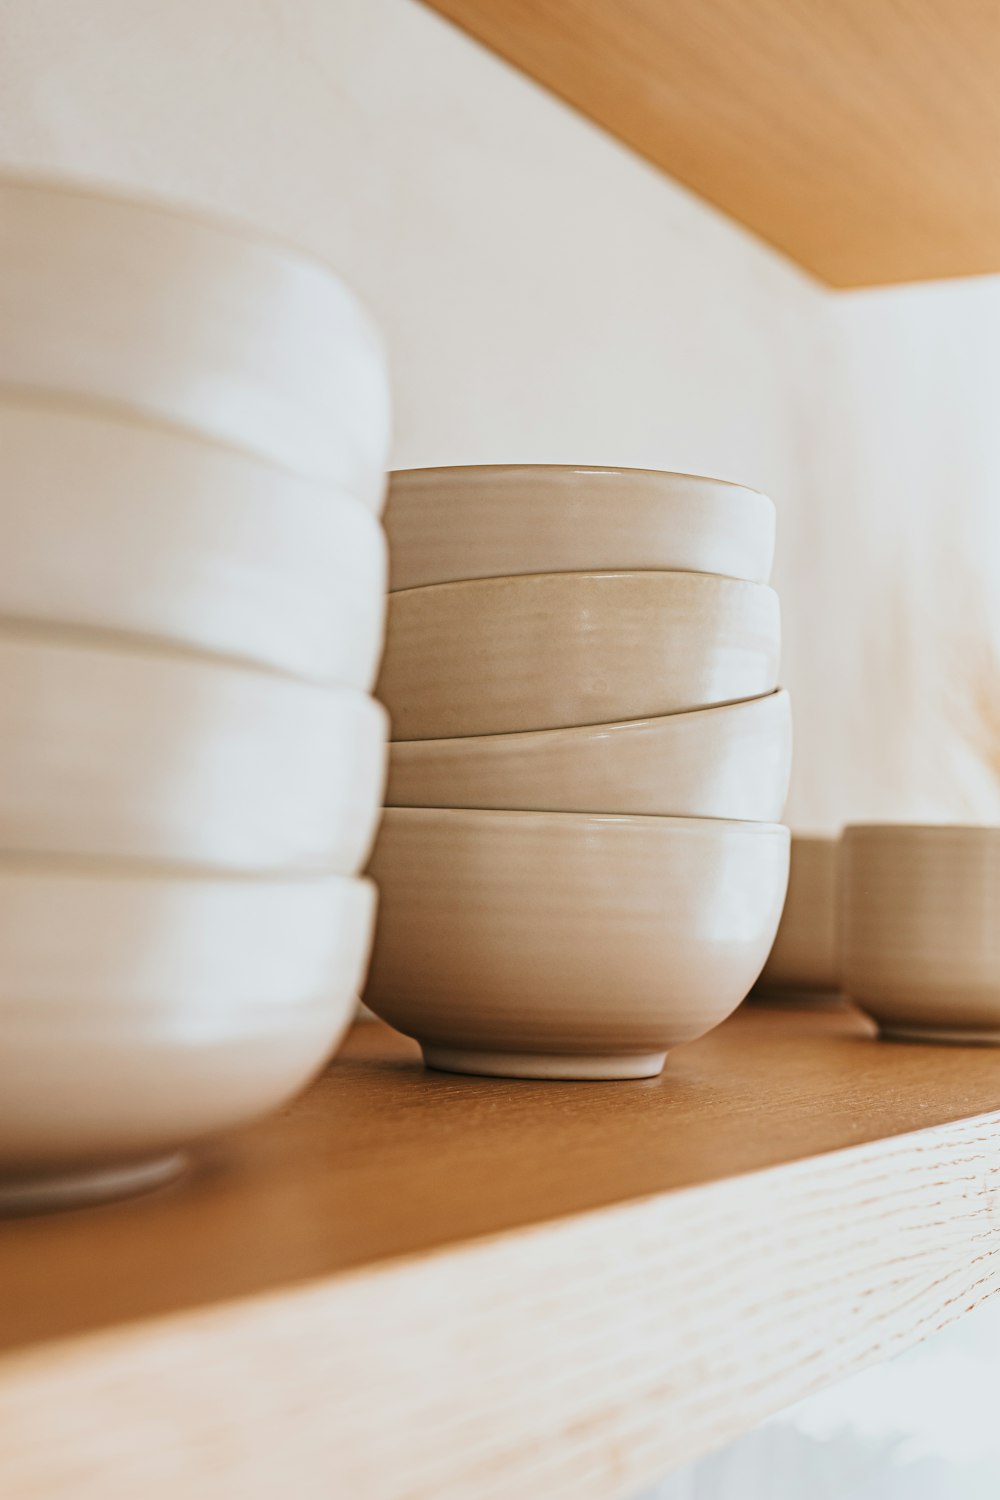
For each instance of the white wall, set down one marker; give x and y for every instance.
(547, 296)
(914, 537)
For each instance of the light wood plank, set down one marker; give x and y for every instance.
(419, 1286)
(860, 137)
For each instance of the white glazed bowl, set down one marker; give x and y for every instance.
(193, 324)
(139, 1012)
(561, 650)
(94, 1104)
(728, 762)
(78, 937)
(804, 956)
(134, 755)
(563, 945)
(496, 519)
(116, 525)
(920, 929)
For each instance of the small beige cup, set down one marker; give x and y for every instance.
(920, 929)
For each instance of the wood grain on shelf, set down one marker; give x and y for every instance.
(860, 137)
(414, 1285)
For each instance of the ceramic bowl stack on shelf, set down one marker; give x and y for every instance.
(580, 864)
(193, 436)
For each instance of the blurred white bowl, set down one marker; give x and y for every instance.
(135, 755)
(560, 650)
(192, 323)
(564, 945)
(76, 937)
(141, 1011)
(495, 519)
(122, 526)
(728, 762)
(94, 1104)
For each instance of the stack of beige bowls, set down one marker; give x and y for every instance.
(580, 865)
(193, 437)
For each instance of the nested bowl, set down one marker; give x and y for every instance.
(920, 929)
(193, 324)
(490, 520)
(111, 751)
(805, 953)
(561, 650)
(94, 1105)
(114, 524)
(140, 1012)
(728, 762)
(563, 945)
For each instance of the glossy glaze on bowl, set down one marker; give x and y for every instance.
(557, 945)
(490, 520)
(920, 929)
(121, 526)
(804, 956)
(130, 754)
(77, 938)
(730, 762)
(91, 1093)
(140, 1013)
(562, 650)
(192, 324)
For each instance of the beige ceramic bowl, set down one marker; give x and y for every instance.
(562, 945)
(729, 762)
(121, 526)
(134, 755)
(497, 519)
(94, 1105)
(804, 956)
(139, 1012)
(560, 650)
(920, 929)
(194, 324)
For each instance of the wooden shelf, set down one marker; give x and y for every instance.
(415, 1285)
(860, 137)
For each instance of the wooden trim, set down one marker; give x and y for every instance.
(582, 1359)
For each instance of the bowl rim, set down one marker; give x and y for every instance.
(494, 580)
(509, 736)
(704, 826)
(445, 472)
(229, 226)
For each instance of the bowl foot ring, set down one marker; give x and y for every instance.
(552, 1065)
(85, 1186)
(952, 1036)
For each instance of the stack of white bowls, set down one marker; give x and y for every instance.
(193, 437)
(580, 865)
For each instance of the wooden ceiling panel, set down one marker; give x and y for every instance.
(860, 137)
